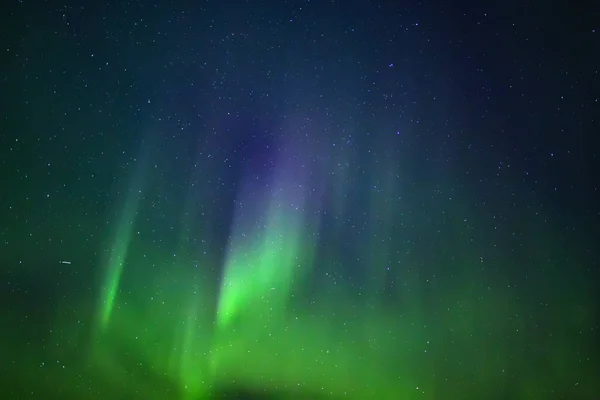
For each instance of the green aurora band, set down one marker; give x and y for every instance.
(279, 323)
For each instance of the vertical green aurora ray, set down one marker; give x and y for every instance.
(192, 360)
(187, 362)
(118, 253)
(259, 274)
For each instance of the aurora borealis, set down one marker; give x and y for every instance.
(299, 200)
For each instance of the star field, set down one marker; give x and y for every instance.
(299, 200)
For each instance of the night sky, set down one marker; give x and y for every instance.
(299, 200)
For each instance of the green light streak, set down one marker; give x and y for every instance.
(263, 274)
(189, 361)
(260, 272)
(117, 258)
(118, 253)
